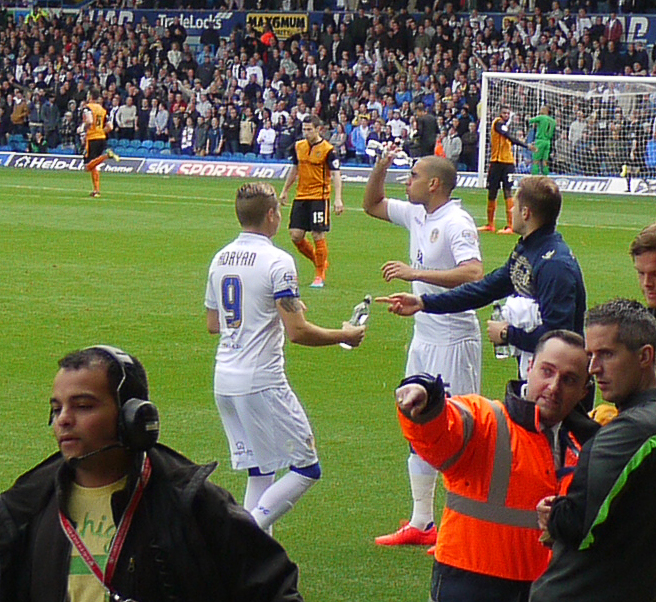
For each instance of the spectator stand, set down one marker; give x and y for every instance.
(345, 66)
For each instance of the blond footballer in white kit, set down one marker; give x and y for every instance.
(444, 253)
(252, 300)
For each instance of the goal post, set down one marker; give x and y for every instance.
(605, 125)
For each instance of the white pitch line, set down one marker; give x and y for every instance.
(210, 201)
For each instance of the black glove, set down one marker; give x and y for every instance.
(436, 395)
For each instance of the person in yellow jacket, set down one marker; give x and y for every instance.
(502, 164)
(498, 460)
(97, 127)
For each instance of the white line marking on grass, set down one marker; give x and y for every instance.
(202, 201)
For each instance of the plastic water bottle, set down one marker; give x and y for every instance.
(501, 352)
(359, 316)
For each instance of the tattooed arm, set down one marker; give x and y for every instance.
(302, 332)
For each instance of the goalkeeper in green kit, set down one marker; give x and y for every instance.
(546, 128)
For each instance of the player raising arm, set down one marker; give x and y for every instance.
(444, 253)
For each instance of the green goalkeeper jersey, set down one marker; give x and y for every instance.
(546, 127)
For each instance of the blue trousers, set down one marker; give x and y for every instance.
(449, 584)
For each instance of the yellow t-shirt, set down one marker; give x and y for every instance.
(90, 509)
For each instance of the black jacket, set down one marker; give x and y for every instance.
(189, 541)
(605, 528)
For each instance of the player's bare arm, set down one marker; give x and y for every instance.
(302, 332)
(289, 182)
(336, 176)
(292, 304)
(467, 271)
(213, 326)
(402, 304)
(374, 202)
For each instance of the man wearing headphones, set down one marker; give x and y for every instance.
(115, 516)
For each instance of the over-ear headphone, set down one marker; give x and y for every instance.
(138, 419)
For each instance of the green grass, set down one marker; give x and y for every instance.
(129, 269)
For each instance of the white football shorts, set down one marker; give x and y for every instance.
(268, 430)
(459, 364)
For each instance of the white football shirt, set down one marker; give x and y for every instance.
(245, 279)
(439, 241)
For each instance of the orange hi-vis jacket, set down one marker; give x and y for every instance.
(497, 466)
(501, 146)
(313, 171)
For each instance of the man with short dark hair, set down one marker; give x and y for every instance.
(252, 301)
(497, 460)
(643, 253)
(541, 267)
(315, 163)
(426, 130)
(605, 527)
(115, 516)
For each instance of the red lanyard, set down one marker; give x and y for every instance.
(119, 537)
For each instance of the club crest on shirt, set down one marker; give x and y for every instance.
(470, 236)
(435, 234)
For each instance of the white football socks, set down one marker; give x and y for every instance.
(255, 488)
(422, 484)
(280, 498)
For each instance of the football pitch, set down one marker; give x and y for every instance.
(129, 269)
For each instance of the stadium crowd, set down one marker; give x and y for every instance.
(373, 73)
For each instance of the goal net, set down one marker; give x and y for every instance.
(605, 126)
